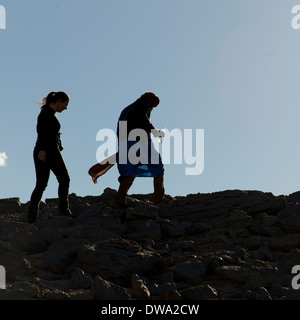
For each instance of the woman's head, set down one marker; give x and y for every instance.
(152, 98)
(58, 100)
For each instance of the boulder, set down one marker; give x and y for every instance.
(105, 290)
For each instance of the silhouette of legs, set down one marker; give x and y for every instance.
(126, 183)
(159, 190)
(56, 164)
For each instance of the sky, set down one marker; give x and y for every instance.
(230, 68)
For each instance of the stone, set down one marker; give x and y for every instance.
(26, 288)
(289, 218)
(191, 272)
(142, 211)
(143, 230)
(238, 219)
(91, 210)
(139, 289)
(105, 290)
(170, 292)
(117, 264)
(24, 237)
(172, 229)
(252, 242)
(236, 273)
(60, 255)
(80, 279)
(201, 292)
(286, 242)
(293, 197)
(10, 205)
(51, 235)
(16, 265)
(259, 202)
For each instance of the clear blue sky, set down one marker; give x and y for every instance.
(229, 67)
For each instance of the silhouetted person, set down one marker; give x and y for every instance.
(47, 155)
(137, 116)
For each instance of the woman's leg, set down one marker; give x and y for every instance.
(125, 184)
(42, 177)
(159, 190)
(57, 165)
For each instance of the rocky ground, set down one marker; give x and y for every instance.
(220, 246)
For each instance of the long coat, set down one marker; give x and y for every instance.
(137, 116)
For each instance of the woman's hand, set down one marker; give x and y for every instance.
(158, 133)
(42, 156)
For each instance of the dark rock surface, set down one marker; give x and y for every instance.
(220, 246)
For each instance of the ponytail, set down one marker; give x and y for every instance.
(52, 97)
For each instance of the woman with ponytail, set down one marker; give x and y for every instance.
(47, 154)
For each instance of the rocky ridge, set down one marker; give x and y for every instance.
(225, 245)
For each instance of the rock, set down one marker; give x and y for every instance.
(294, 197)
(60, 255)
(265, 225)
(55, 294)
(201, 292)
(51, 235)
(117, 263)
(225, 245)
(170, 292)
(252, 242)
(10, 294)
(190, 272)
(142, 211)
(285, 242)
(105, 290)
(25, 237)
(249, 277)
(263, 294)
(26, 289)
(10, 205)
(52, 221)
(259, 202)
(289, 218)
(183, 245)
(80, 279)
(108, 196)
(91, 210)
(237, 219)
(139, 289)
(16, 265)
(143, 230)
(172, 229)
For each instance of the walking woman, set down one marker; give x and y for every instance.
(137, 116)
(47, 155)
